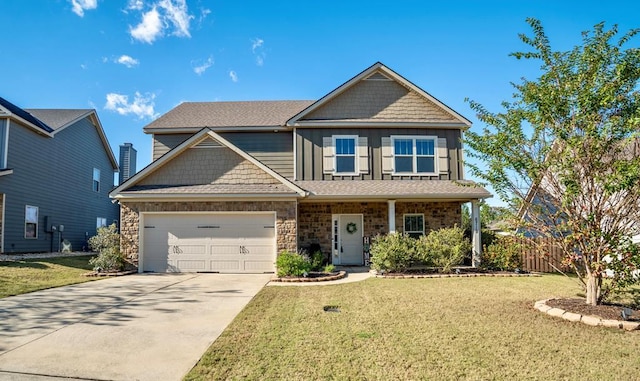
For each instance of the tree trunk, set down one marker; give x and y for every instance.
(593, 290)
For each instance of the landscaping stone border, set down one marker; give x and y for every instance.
(472, 275)
(541, 305)
(339, 275)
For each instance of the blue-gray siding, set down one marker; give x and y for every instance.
(309, 152)
(56, 175)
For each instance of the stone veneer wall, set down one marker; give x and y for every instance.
(130, 218)
(314, 219)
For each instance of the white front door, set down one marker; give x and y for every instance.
(349, 238)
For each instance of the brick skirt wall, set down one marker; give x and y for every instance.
(314, 219)
(130, 218)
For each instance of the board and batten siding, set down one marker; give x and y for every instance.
(309, 155)
(56, 175)
(273, 149)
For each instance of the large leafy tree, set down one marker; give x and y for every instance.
(565, 151)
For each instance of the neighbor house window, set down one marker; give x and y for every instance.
(100, 222)
(345, 154)
(31, 222)
(414, 225)
(414, 154)
(96, 180)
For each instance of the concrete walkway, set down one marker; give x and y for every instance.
(138, 327)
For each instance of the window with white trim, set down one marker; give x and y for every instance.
(345, 154)
(4, 142)
(414, 225)
(101, 222)
(31, 222)
(96, 180)
(414, 154)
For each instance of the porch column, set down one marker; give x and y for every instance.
(392, 215)
(475, 234)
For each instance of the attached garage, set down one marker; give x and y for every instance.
(208, 242)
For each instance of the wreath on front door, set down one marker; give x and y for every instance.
(352, 228)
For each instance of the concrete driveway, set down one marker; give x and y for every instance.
(138, 327)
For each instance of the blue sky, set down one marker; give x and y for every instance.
(133, 60)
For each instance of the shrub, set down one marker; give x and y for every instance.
(502, 254)
(392, 252)
(292, 264)
(317, 261)
(107, 243)
(443, 248)
(329, 269)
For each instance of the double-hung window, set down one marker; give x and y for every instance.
(414, 154)
(414, 225)
(101, 222)
(96, 180)
(31, 222)
(345, 154)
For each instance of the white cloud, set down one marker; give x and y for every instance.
(233, 76)
(79, 6)
(177, 13)
(201, 67)
(142, 106)
(127, 61)
(135, 5)
(149, 28)
(165, 16)
(204, 12)
(257, 47)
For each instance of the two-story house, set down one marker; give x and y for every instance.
(232, 184)
(56, 172)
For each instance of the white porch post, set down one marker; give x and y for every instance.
(475, 234)
(392, 215)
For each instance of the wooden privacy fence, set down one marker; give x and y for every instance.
(537, 254)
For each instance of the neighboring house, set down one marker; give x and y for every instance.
(232, 184)
(128, 160)
(56, 171)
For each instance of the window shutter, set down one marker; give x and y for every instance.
(363, 154)
(328, 153)
(387, 155)
(443, 156)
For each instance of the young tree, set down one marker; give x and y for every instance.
(565, 150)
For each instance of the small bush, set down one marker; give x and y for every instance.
(292, 264)
(107, 243)
(443, 248)
(329, 269)
(317, 261)
(503, 254)
(392, 252)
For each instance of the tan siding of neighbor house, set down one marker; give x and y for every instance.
(130, 219)
(380, 99)
(314, 219)
(309, 142)
(217, 165)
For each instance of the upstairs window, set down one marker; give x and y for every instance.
(4, 142)
(31, 222)
(414, 155)
(345, 155)
(101, 222)
(96, 180)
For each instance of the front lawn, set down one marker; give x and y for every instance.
(392, 329)
(30, 275)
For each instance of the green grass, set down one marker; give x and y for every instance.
(410, 329)
(31, 275)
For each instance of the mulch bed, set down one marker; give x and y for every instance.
(458, 272)
(603, 311)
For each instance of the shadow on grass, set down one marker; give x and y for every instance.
(25, 264)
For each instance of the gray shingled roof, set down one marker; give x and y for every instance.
(211, 189)
(229, 114)
(24, 114)
(426, 189)
(56, 118)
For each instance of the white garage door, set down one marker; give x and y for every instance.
(226, 243)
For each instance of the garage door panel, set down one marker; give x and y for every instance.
(217, 242)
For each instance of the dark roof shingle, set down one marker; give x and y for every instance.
(56, 118)
(229, 114)
(23, 114)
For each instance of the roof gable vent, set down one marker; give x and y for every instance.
(208, 143)
(377, 76)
